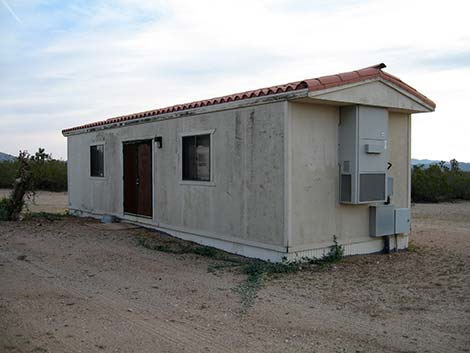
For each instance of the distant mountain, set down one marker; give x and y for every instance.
(427, 162)
(6, 157)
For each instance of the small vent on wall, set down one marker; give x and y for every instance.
(346, 167)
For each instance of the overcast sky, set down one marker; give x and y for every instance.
(64, 63)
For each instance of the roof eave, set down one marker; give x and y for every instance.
(290, 95)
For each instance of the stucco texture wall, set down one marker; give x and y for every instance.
(245, 201)
(400, 157)
(315, 212)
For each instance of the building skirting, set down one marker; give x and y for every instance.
(374, 245)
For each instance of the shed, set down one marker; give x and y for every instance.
(272, 173)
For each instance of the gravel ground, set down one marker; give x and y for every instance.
(74, 285)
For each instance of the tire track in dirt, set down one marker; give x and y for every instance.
(11, 344)
(49, 276)
(104, 265)
(344, 324)
(100, 247)
(126, 251)
(169, 332)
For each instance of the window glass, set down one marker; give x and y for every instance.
(97, 161)
(196, 157)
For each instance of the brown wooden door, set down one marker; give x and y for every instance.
(137, 165)
(130, 178)
(144, 188)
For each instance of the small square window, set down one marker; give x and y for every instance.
(197, 157)
(97, 161)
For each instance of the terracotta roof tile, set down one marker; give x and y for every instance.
(369, 71)
(314, 84)
(346, 76)
(333, 79)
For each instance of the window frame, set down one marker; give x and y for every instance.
(97, 177)
(211, 181)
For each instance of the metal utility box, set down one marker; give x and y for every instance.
(402, 220)
(363, 155)
(381, 220)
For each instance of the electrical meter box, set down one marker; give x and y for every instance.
(402, 220)
(363, 154)
(381, 220)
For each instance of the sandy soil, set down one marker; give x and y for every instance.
(73, 285)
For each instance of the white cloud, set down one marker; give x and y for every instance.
(117, 57)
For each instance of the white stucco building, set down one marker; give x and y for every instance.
(269, 173)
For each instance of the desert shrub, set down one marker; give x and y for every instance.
(11, 207)
(47, 173)
(439, 183)
(8, 170)
(5, 209)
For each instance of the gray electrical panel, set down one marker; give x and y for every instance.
(402, 220)
(363, 155)
(381, 220)
(388, 220)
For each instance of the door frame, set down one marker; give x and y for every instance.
(152, 156)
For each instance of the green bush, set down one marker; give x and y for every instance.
(8, 171)
(11, 207)
(5, 209)
(439, 183)
(48, 173)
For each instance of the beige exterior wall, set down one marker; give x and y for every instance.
(400, 157)
(275, 180)
(245, 202)
(315, 214)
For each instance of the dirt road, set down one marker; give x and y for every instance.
(73, 285)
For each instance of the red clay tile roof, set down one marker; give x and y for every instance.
(314, 84)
